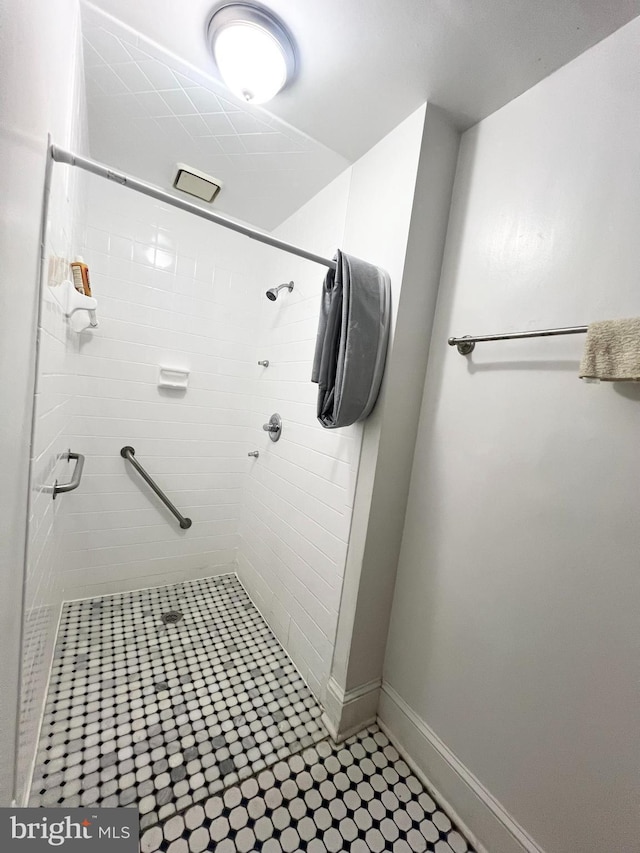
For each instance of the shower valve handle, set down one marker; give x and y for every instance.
(274, 427)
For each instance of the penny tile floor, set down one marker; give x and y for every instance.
(358, 796)
(206, 727)
(161, 716)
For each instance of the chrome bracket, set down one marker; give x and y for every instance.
(463, 347)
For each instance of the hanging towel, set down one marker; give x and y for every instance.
(612, 351)
(351, 346)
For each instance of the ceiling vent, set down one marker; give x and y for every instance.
(192, 181)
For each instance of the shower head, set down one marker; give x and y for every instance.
(272, 293)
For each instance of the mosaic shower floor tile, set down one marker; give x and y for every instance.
(161, 714)
(358, 796)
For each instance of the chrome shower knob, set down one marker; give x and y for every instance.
(274, 427)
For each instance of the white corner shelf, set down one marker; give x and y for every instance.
(71, 301)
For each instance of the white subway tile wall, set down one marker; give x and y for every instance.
(52, 416)
(179, 292)
(297, 510)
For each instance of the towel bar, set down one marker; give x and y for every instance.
(467, 344)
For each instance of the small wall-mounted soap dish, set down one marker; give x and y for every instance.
(175, 378)
(71, 301)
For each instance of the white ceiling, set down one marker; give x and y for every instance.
(148, 111)
(364, 66)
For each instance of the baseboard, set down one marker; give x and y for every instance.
(139, 584)
(348, 712)
(487, 824)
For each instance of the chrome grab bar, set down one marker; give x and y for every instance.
(74, 482)
(129, 453)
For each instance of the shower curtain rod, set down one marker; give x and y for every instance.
(62, 156)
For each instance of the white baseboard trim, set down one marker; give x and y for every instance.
(110, 589)
(340, 735)
(348, 712)
(453, 784)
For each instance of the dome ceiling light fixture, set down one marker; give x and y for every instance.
(252, 50)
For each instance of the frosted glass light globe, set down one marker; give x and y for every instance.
(253, 52)
(250, 62)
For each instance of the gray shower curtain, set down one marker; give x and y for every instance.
(351, 346)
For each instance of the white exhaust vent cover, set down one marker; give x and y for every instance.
(192, 181)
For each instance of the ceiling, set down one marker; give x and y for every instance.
(148, 110)
(364, 66)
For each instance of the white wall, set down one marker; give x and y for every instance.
(173, 290)
(513, 651)
(38, 94)
(297, 506)
(408, 178)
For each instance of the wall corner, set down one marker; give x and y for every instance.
(390, 433)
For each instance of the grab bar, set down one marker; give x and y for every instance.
(129, 453)
(74, 482)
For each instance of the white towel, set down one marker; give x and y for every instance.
(612, 351)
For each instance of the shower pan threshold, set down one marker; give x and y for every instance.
(160, 714)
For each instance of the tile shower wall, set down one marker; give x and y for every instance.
(52, 416)
(297, 511)
(179, 292)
